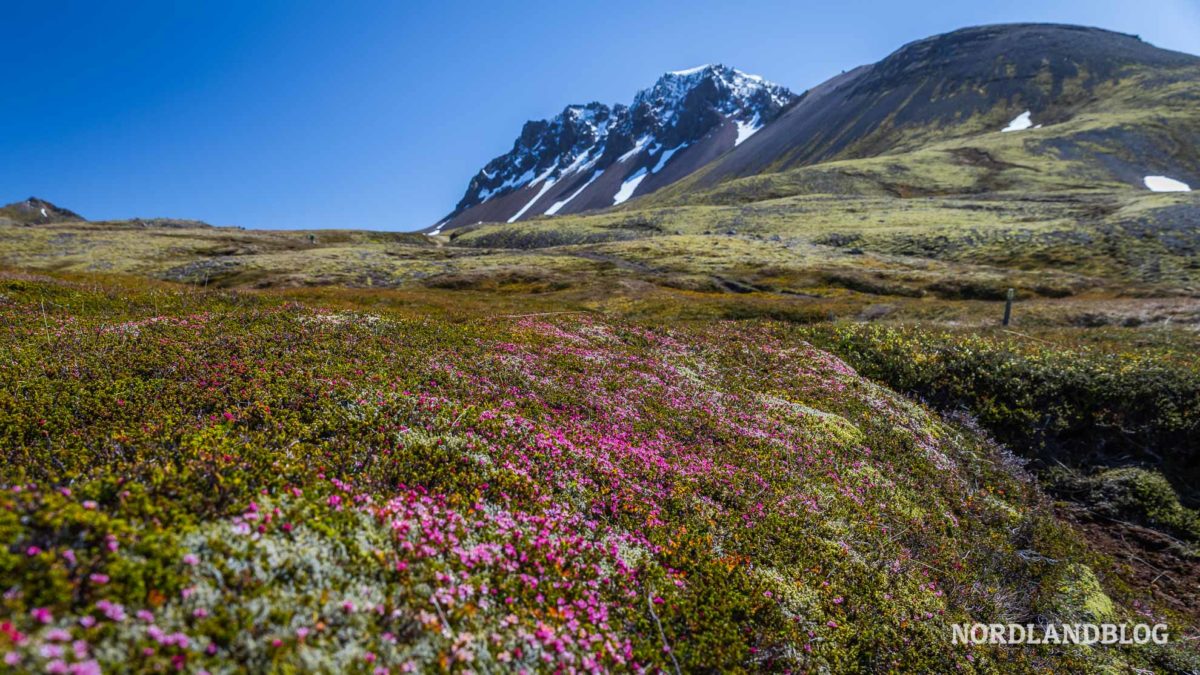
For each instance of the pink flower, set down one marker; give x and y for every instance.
(51, 651)
(85, 668)
(178, 639)
(42, 615)
(191, 559)
(98, 579)
(112, 611)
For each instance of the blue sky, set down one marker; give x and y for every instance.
(376, 114)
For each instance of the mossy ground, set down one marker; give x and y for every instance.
(607, 441)
(325, 481)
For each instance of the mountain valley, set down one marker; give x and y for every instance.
(741, 349)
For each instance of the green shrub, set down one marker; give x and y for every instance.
(1075, 406)
(1134, 495)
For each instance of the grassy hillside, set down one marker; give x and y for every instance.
(953, 247)
(313, 481)
(1089, 136)
(770, 424)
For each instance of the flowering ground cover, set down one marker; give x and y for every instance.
(239, 482)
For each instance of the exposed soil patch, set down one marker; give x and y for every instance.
(1150, 561)
(984, 159)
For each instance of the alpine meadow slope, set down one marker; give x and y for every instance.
(713, 382)
(216, 481)
(976, 81)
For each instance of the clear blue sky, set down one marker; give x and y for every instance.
(376, 114)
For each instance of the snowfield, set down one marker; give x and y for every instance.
(629, 187)
(557, 206)
(666, 157)
(747, 129)
(1164, 184)
(1021, 123)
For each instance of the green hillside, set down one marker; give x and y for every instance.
(209, 480)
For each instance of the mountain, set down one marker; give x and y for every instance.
(34, 211)
(1012, 107)
(594, 156)
(1100, 98)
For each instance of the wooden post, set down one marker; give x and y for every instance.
(1008, 305)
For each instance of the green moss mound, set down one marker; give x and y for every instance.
(1135, 495)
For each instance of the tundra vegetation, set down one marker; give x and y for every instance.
(389, 481)
(768, 424)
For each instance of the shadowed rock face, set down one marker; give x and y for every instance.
(583, 157)
(34, 211)
(931, 89)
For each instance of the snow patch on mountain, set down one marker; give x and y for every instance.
(549, 183)
(637, 148)
(1164, 184)
(691, 71)
(557, 206)
(487, 193)
(629, 187)
(666, 157)
(747, 129)
(1021, 123)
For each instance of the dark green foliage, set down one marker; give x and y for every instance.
(1080, 407)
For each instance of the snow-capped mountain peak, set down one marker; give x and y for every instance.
(735, 89)
(555, 165)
